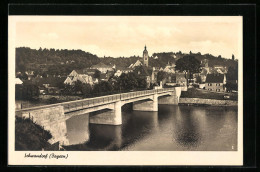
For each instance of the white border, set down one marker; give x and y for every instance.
(118, 157)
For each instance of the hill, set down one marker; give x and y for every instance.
(62, 62)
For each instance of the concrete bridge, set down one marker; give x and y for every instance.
(101, 110)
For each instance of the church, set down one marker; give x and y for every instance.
(142, 68)
(144, 61)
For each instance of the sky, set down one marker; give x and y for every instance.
(127, 35)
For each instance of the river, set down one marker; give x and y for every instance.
(172, 128)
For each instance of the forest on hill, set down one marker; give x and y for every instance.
(172, 57)
(62, 62)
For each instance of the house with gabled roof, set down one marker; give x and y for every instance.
(18, 81)
(120, 70)
(181, 79)
(79, 75)
(103, 68)
(137, 63)
(215, 82)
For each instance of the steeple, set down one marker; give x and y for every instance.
(145, 56)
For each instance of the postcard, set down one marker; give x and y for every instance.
(125, 90)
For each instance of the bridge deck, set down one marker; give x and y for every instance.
(91, 102)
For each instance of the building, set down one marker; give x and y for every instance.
(169, 68)
(181, 79)
(88, 71)
(204, 63)
(137, 63)
(30, 74)
(79, 75)
(119, 71)
(148, 73)
(18, 81)
(49, 85)
(144, 62)
(145, 57)
(215, 82)
(103, 68)
(203, 75)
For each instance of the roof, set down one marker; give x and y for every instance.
(101, 65)
(18, 81)
(137, 63)
(215, 78)
(88, 70)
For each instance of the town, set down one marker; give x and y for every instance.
(45, 82)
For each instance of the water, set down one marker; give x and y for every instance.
(172, 128)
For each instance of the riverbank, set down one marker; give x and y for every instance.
(206, 94)
(44, 100)
(206, 102)
(32, 137)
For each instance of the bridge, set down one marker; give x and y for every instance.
(101, 110)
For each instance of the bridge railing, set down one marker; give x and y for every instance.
(90, 102)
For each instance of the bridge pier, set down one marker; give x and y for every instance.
(107, 116)
(173, 99)
(147, 105)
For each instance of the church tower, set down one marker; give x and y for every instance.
(145, 57)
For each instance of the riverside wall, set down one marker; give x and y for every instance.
(52, 119)
(212, 102)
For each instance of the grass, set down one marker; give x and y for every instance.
(204, 94)
(30, 136)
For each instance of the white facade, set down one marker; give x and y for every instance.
(18, 81)
(137, 63)
(74, 76)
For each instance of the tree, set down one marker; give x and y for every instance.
(68, 89)
(231, 86)
(86, 89)
(233, 57)
(161, 75)
(188, 64)
(78, 85)
(102, 88)
(30, 91)
(198, 79)
(232, 73)
(22, 76)
(97, 74)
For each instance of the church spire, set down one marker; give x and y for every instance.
(145, 56)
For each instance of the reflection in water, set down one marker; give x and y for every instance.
(172, 128)
(186, 129)
(78, 129)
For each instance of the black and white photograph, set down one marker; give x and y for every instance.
(128, 87)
